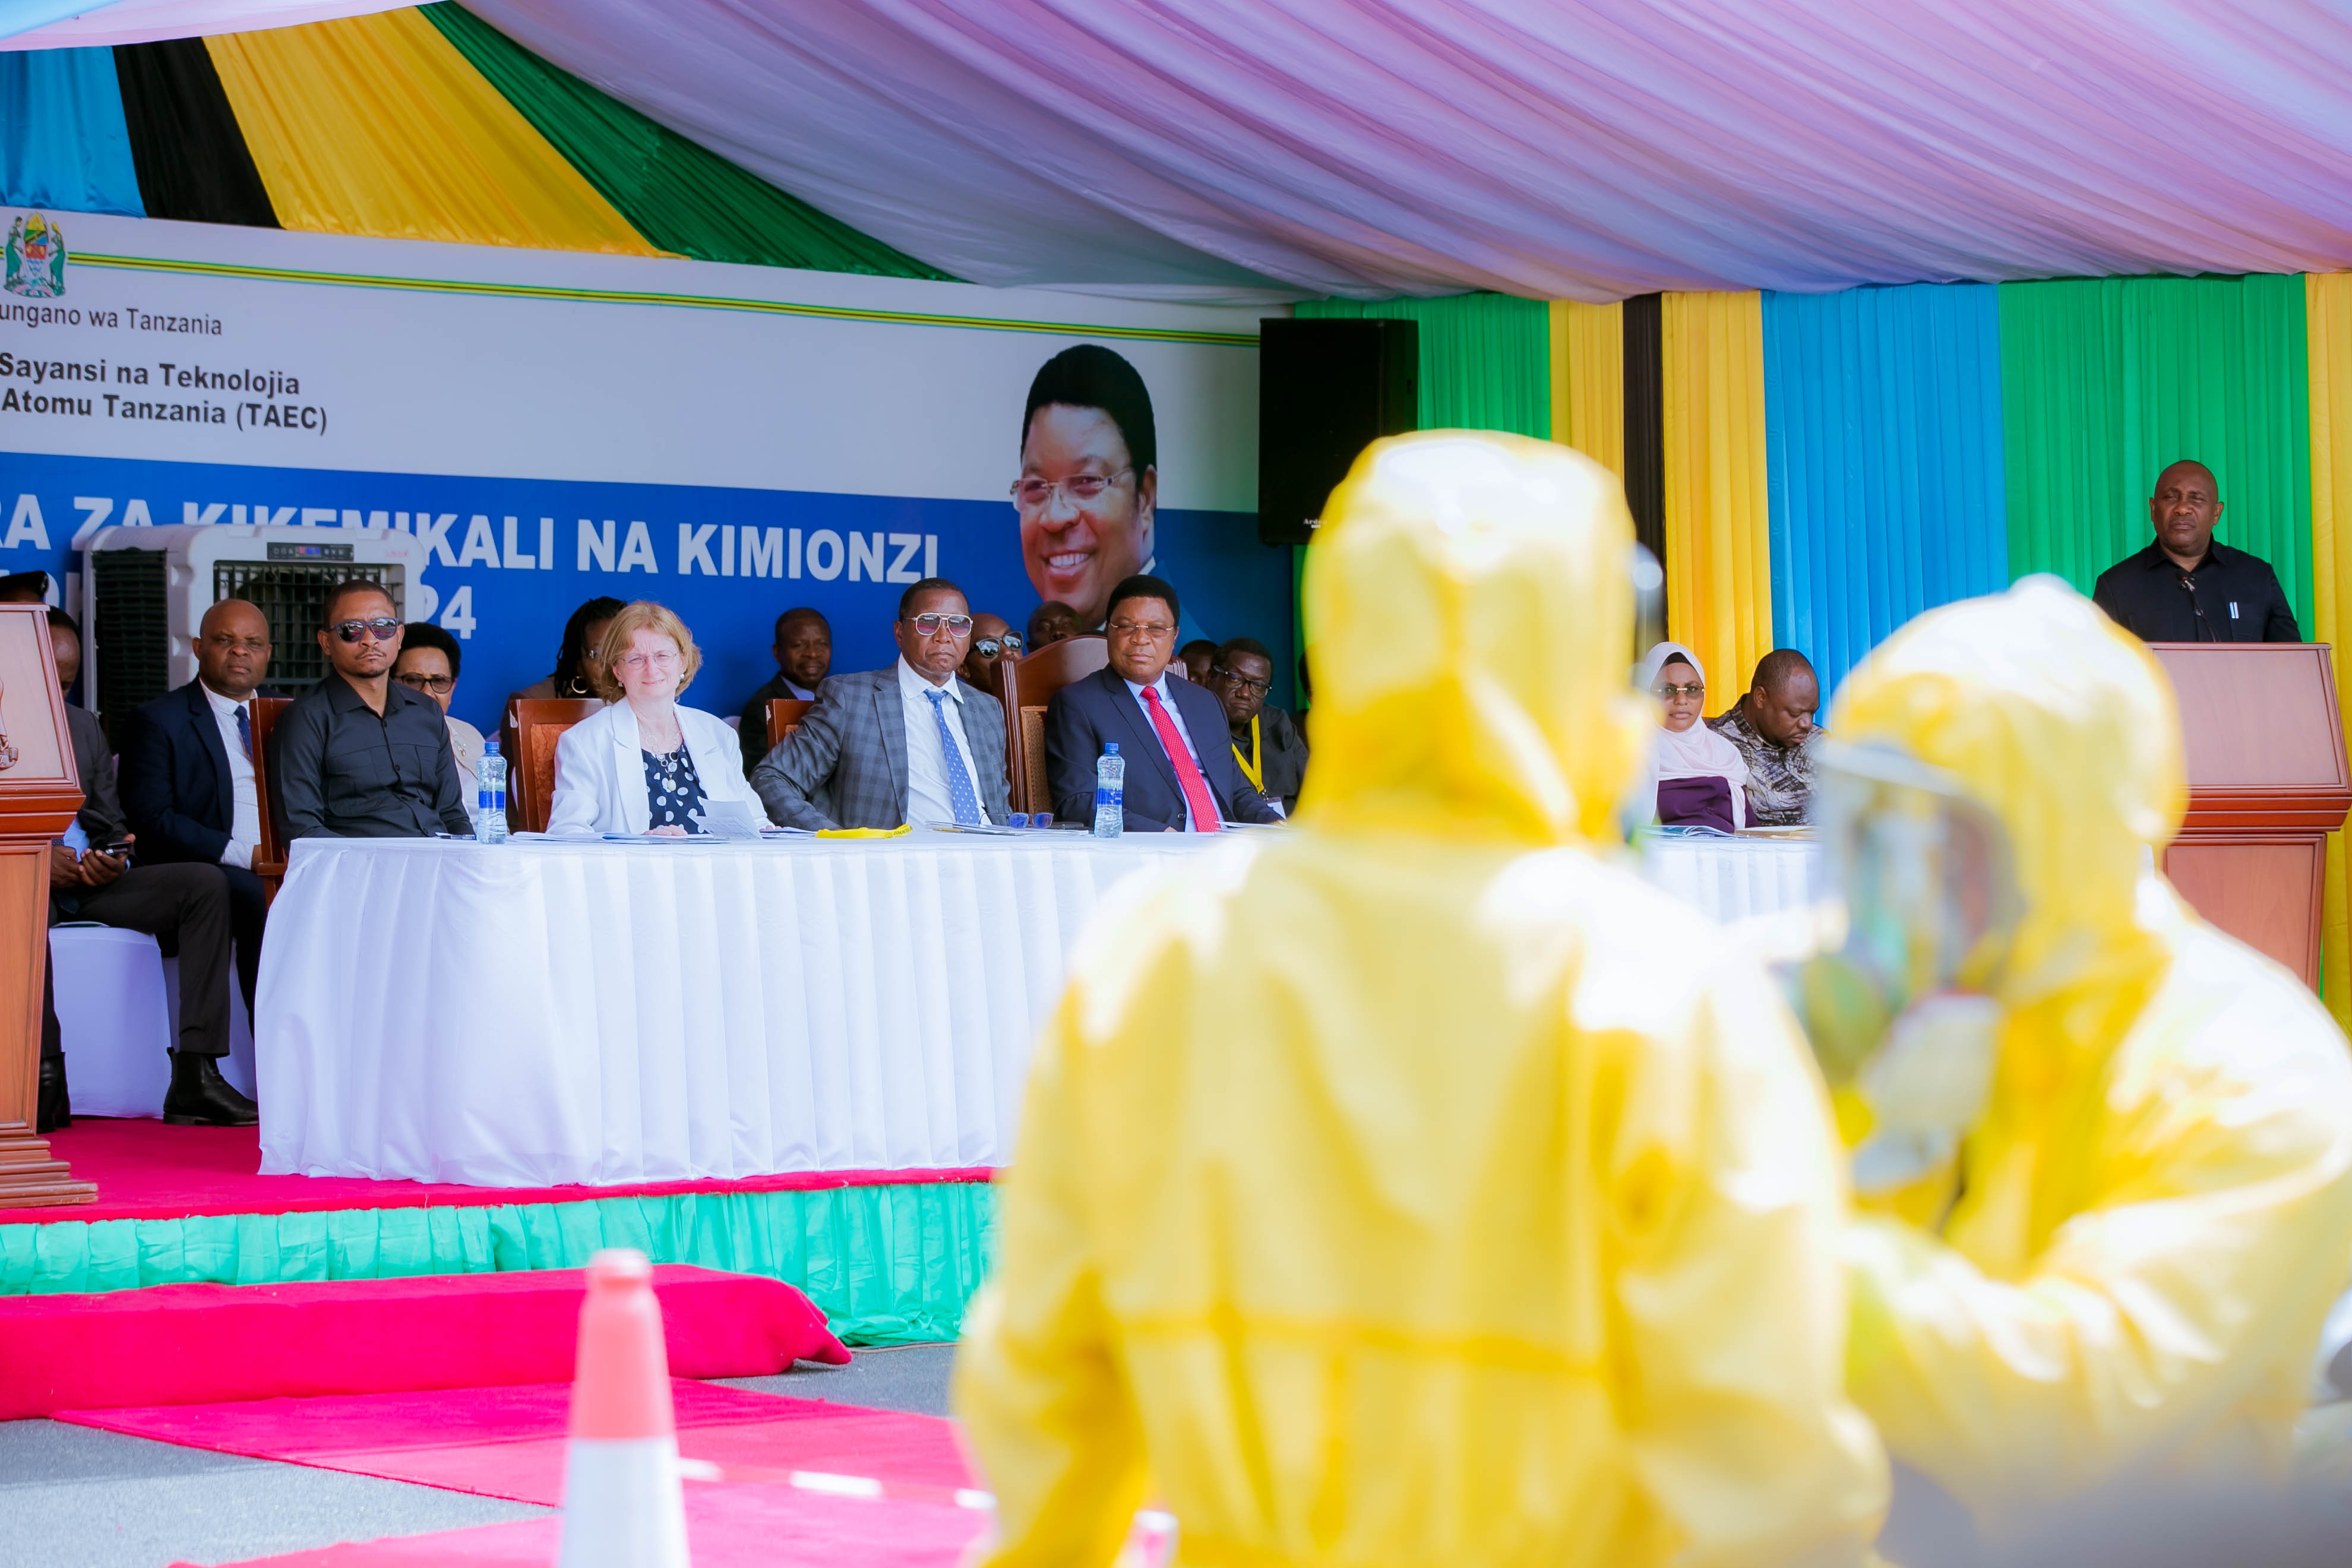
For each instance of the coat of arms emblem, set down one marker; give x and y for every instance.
(37, 258)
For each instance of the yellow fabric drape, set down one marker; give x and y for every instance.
(2327, 309)
(378, 126)
(1719, 531)
(1588, 380)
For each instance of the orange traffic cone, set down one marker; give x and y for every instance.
(623, 1506)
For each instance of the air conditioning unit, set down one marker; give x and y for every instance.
(146, 589)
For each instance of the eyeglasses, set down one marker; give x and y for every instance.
(438, 684)
(988, 647)
(660, 658)
(931, 625)
(1670, 691)
(384, 628)
(1244, 682)
(1152, 630)
(1035, 494)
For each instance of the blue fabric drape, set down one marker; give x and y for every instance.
(1883, 417)
(64, 146)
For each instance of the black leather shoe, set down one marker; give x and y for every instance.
(56, 1108)
(200, 1097)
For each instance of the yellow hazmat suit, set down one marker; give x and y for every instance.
(1416, 1186)
(2146, 1224)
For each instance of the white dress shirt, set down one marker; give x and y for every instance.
(1168, 702)
(927, 778)
(466, 748)
(245, 827)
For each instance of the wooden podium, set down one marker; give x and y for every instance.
(2268, 782)
(39, 794)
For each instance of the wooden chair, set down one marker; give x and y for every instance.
(269, 854)
(784, 716)
(1025, 685)
(538, 723)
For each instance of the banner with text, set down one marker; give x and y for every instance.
(732, 441)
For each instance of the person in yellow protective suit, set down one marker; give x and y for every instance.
(1416, 1185)
(2106, 1150)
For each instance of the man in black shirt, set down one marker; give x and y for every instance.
(2186, 588)
(359, 755)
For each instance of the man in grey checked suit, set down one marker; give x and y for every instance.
(909, 743)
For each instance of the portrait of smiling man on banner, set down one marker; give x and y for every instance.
(1089, 486)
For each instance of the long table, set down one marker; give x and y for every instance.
(549, 1011)
(545, 1011)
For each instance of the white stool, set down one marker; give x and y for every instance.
(118, 1018)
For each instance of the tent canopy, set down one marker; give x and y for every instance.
(1571, 149)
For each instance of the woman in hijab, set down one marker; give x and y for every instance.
(1701, 779)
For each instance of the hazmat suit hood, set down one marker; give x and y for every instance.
(1416, 1185)
(2064, 728)
(2123, 1270)
(1471, 678)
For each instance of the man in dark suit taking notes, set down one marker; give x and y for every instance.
(1180, 774)
(2184, 588)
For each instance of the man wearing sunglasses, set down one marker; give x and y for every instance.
(994, 641)
(909, 743)
(360, 755)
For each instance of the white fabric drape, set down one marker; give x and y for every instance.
(78, 23)
(1569, 148)
(547, 1012)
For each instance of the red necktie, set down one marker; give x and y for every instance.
(1188, 776)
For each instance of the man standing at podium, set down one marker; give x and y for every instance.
(2186, 588)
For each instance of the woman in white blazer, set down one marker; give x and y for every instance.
(644, 764)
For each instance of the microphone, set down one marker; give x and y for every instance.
(2189, 588)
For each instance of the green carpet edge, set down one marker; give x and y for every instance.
(890, 1264)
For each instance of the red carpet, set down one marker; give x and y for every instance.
(508, 1442)
(191, 1344)
(146, 1170)
(726, 1527)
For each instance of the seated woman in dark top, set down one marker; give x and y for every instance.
(1702, 780)
(645, 764)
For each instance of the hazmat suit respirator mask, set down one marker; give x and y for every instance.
(1903, 1015)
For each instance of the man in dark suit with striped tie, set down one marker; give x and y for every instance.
(1180, 774)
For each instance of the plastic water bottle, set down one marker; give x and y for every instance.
(490, 796)
(1110, 793)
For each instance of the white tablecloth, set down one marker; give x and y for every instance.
(545, 1012)
(1730, 879)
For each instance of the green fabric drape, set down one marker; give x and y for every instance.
(2104, 381)
(681, 196)
(1485, 359)
(886, 1264)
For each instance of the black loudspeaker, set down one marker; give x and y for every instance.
(1325, 390)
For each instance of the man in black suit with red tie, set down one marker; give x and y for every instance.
(1180, 774)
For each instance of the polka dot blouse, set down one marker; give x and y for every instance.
(674, 789)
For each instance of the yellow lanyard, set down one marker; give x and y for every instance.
(1252, 768)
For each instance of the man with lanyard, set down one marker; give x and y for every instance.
(1271, 752)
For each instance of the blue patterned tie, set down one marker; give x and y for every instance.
(244, 732)
(967, 808)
